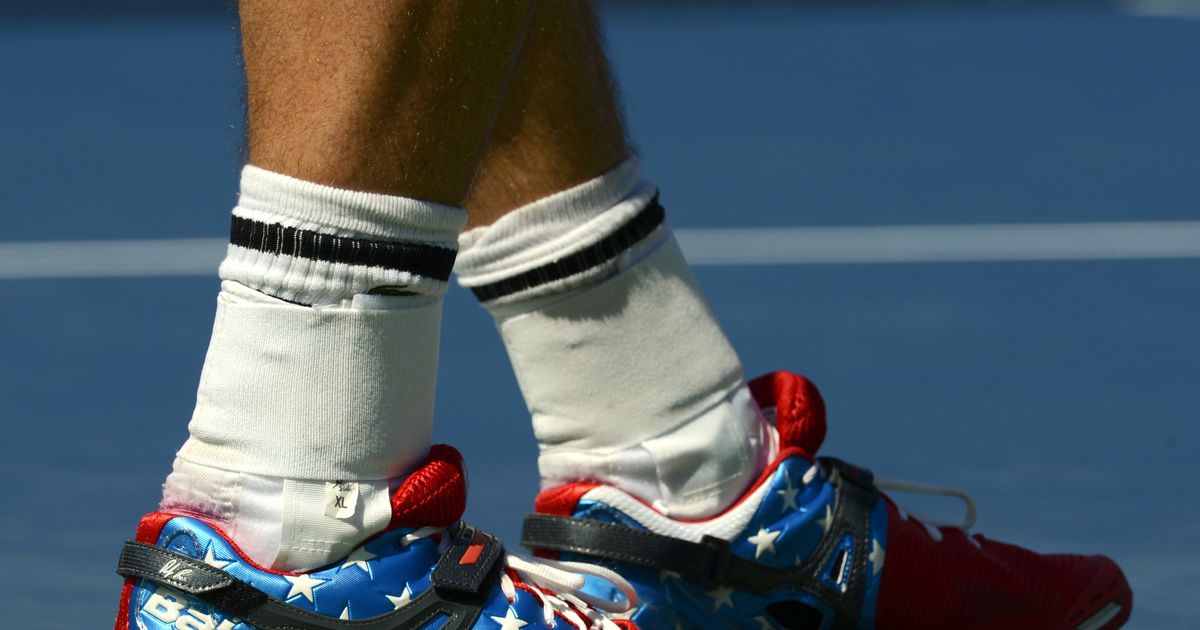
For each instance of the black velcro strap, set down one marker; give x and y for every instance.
(856, 495)
(235, 598)
(631, 233)
(470, 563)
(841, 470)
(190, 576)
(710, 563)
(616, 542)
(172, 569)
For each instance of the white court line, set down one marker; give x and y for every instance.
(943, 243)
(1163, 8)
(743, 246)
(107, 259)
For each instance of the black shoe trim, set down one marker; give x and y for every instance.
(631, 233)
(458, 593)
(710, 563)
(470, 564)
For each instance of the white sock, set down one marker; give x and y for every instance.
(318, 384)
(626, 372)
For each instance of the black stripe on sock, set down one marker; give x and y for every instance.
(606, 249)
(419, 259)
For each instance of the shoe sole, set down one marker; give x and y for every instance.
(1106, 604)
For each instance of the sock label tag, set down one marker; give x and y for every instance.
(341, 498)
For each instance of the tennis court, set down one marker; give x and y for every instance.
(1061, 390)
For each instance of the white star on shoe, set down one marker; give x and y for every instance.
(302, 584)
(764, 540)
(827, 520)
(345, 613)
(405, 597)
(509, 621)
(876, 557)
(789, 494)
(359, 558)
(212, 561)
(721, 596)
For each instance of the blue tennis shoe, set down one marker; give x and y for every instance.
(814, 543)
(427, 570)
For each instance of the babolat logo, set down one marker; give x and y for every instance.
(174, 609)
(175, 570)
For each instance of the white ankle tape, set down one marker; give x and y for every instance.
(632, 382)
(693, 470)
(591, 364)
(278, 523)
(316, 393)
(626, 372)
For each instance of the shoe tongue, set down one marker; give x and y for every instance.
(799, 409)
(433, 495)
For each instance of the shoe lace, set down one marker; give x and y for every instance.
(931, 525)
(558, 585)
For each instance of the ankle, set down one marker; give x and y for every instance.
(320, 369)
(694, 470)
(283, 524)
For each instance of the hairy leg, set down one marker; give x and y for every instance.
(309, 448)
(383, 96)
(366, 122)
(631, 384)
(627, 375)
(560, 125)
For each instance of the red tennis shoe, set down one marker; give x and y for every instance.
(816, 544)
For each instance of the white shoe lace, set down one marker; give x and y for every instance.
(557, 585)
(932, 526)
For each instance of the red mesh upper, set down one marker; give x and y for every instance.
(930, 585)
(954, 584)
(435, 494)
(799, 409)
(562, 500)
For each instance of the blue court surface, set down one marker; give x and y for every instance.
(1064, 394)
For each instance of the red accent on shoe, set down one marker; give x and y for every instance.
(433, 495)
(561, 501)
(123, 608)
(151, 526)
(799, 409)
(148, 531)
(954, 584)
(471, 555)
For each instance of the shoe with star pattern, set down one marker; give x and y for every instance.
(816, 544)
(427, 570)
